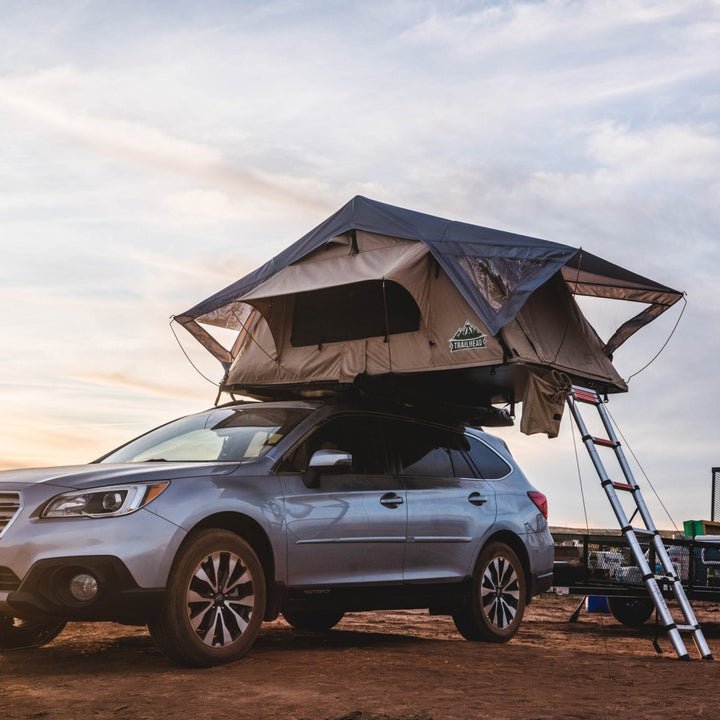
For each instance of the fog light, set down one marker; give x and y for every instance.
(84, 587)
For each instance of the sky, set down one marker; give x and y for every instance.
(152, 153)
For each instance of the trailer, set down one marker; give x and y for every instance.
(592, 565)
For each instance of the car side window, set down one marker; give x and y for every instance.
(357, 434)
(488, 463)
(461, 466)
(433, 462)
(425, 451)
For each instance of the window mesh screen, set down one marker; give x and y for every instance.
(715, 502)
(353, 312)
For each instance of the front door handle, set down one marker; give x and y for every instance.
(391, 500)
(475, 498)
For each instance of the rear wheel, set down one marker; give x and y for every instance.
(630, 611)
(494, 610)
(215, 601)
(313, 620)
(16, 633)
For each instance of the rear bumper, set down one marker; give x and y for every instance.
(541, 583)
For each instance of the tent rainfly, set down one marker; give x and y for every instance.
(402, 302)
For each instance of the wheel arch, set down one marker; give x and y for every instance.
(251, 531)
(518, 546)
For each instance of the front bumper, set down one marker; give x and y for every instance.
(130, 556)
(44, 592)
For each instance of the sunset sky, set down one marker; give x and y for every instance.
(154, 152)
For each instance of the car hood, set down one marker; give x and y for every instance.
(77, 477)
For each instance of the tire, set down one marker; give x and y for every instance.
(496, 604)
(16, 633)
(313, 620)
(632, 612)
(214, 602)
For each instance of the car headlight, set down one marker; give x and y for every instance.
(103, 502)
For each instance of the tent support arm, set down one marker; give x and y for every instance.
(629, 328)
(205, 339)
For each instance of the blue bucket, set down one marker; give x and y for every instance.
(597, 604)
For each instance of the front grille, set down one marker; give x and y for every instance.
(9, 581)
(9, 508)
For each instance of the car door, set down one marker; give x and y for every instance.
(351, 528)
(449, 509)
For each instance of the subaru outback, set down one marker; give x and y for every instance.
(209, 525)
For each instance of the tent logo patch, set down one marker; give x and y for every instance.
(468, 337)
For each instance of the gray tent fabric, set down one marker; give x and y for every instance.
(464, 312)
(515, 264)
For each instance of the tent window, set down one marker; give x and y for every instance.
(353, 312)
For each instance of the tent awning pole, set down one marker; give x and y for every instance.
(205, 339)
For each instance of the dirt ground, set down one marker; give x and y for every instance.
(374, 666)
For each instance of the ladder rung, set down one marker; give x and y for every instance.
(586, 396)
(623, 486)
(687, 628)
(643, 531)
(605, 442)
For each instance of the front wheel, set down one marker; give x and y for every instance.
(16, 633)
(214, 603)
(494, 610)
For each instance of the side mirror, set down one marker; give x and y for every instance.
(333, 462)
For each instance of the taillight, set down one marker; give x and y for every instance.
(540, 501)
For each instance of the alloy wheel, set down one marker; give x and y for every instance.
(500, 592)
(220, 599)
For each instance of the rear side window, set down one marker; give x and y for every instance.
(461, 466)
(489, 464)
(424, 451)
(434, 462)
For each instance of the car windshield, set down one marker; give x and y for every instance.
(234, 434)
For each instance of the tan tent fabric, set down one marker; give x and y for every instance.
(324, 269)
(544, 402)
(380, 294)
(550, 330)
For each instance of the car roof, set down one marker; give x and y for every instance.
(382, 406)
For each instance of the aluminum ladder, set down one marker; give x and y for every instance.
(668, 575)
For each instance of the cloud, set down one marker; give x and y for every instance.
(556, 26)
(661, 153)
(150, 147)
(145, 387)
(204, 205)
(150, 161)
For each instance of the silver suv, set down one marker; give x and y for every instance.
(206, 526)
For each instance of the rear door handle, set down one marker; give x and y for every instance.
(475, 498)
(391, 500)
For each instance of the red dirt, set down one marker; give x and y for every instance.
(374, 666)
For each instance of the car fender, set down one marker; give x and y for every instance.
(258, 498)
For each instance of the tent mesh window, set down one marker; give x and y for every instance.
(715, 501)
(353, 312)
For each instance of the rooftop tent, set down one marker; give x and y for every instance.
(421, 306)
